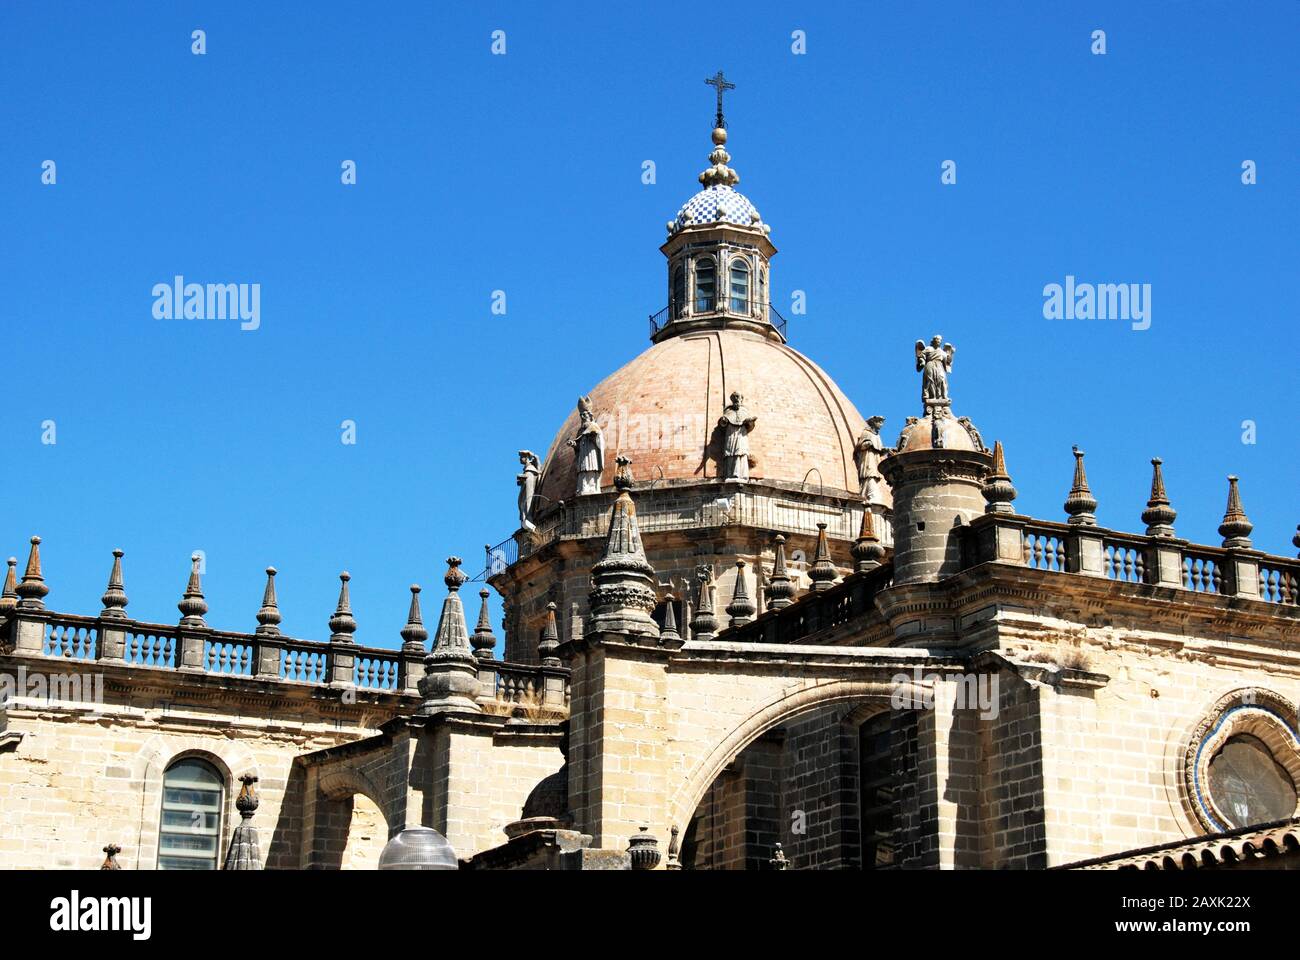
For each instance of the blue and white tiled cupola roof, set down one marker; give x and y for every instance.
(714, 204)
(719, 201)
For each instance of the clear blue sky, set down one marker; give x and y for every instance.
(523, 173)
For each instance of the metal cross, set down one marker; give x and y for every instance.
(720, 83)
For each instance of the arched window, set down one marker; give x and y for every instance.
(706, 285)
(189, 834)
(739, 286)
(678, 305)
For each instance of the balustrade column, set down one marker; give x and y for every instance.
(1241, 573)
(553, 682)
(412, 672)
(111, 647)
(1084, 552)
(266, 657)
(1164, 562)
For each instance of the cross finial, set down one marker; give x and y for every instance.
(720, 84)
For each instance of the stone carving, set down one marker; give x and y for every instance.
(974, 433)
(736, 424)
(866, 454)
(590, 446)
(934, 363)
(527, 482)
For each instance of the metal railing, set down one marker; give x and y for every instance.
(852, 598)
(724, 308)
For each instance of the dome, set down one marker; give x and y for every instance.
(921, 433)
(418, 848)
(716, 204)
(661, 410)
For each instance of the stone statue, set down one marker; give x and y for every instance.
(590, 445)
(737, 424)
(527, 488)
(867, 454)
(935, 363)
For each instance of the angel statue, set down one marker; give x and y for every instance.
(737, 424)
(934, 362)
(527, 487)
(590, 445)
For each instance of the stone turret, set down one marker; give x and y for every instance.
(937, 472)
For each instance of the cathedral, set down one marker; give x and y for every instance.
(745, 628)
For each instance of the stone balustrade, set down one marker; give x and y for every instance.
(1094, 551)
(153, 647)
(767, 505)
(1070, 549)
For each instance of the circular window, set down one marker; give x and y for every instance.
(1242, 762)
(1248, 785)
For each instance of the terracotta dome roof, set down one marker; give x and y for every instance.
(957, 433)
(662, 409)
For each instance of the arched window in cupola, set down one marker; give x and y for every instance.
(740, 285)
(678, 305)
(706, 284)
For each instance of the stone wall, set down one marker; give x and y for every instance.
(80, 780)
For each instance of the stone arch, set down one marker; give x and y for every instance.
(876, 693)
(151, 760)
(343, 782)
(349, 818)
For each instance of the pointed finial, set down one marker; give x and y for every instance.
(114, 598)
(822, 572)
(867, 550)
(9, 595)
(32, 589)
(668, 634)
(1080, 504)
(741, 609)
(454, 576)
(414, 634)
(247, 801)
(341, 625)
(704, 624)
(550, 640)
(623, 474)
(244, 853)
(451, 641)
(718, 173)
(483, 641)
(1159, 516)
(110, 857)
(268, 618)
(192, 605)
(780, 588)
(1235, 528)
(997, 489)
(622, 581)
